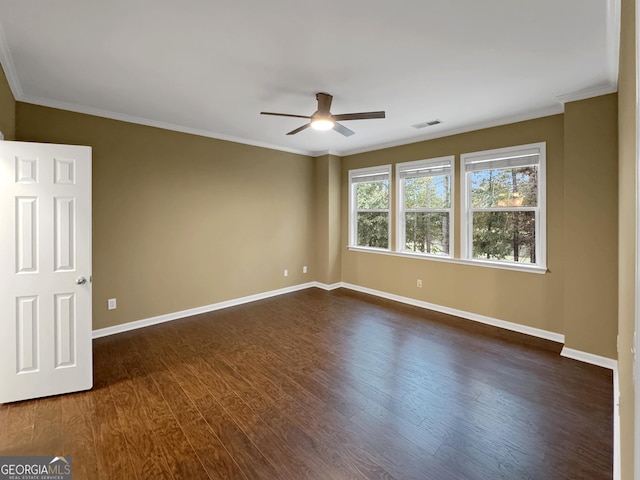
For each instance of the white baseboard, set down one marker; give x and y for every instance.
(514, 327)
(102, 332)
(585, 357)
(125, 327)
(327, 287)
(556, 337)
(536, 332)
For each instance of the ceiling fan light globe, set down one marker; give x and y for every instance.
(322, 124)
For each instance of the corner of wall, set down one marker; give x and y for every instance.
(328, 226)
(7, 108)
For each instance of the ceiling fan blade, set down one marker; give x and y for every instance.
(324, 103)
(359, 116)
(299, 129)
(284, 115)
(343, 130)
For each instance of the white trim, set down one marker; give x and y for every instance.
(604, 362)
(8, 66)
(327, 287)
(613, 56)
(16, 88)
(517, 267)
(514, 327)
(72, 107)
(590, 92)
(400, 213)
(614, 29)
(536, 332)
(352, 206)
(466, 234)
(125, 327)
(496, 122)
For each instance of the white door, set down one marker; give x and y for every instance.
(45, 270)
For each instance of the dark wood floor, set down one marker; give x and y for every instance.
(325, 385)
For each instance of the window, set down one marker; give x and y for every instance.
(369, 207)
(503, 207)
(425, 220)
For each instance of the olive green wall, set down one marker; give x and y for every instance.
(627, 233)
(591, 225)
(7, 109)
(182, 221)
(529, 299)
(327, 181)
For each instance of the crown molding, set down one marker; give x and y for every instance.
(71, 107)
(495, 122)
(613, 56)
(610, 86)
(9, 68)
(585, 93)
(16, 89)
(614, 30)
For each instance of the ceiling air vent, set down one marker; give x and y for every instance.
(427, 124)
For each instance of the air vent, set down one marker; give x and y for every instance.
(427, 124)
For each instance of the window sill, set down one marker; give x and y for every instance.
(437, 258)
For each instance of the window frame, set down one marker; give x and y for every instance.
(401, 210)
(353, 210)
(466, 211)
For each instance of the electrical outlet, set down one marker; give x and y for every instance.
(111, 304)
(286, 273)
(304, 269)
(419, 283)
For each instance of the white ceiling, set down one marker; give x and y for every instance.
(210, 66)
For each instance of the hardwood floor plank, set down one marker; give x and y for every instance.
(325, 385)
(207, 447)
(247, 456)
(47, 438)
(176, 450)
(145, 453)
(17, 428)
(113, 457)
(336, 448)
(78, 437)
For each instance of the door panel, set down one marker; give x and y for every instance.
(27, 334)
(64, 235)
(45, 313)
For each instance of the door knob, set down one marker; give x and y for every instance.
(81, 280)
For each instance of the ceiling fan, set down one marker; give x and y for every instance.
(322, 119)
